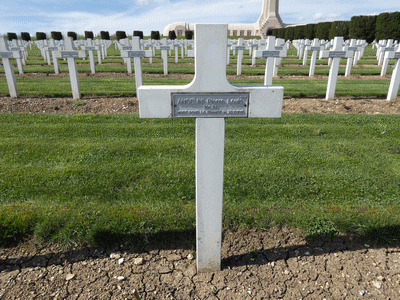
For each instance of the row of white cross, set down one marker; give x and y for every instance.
(272, 49)
(209, 98)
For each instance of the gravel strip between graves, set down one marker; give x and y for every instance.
(270, 264)
(129, 105)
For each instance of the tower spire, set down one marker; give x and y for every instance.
(269, 18)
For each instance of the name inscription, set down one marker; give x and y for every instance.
(6, 55)
(210, 105)
(65, 54)
(270, 53)
(136, 54)
(336, 54)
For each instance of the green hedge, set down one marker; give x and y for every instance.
(105, 35)
(25, 36)
(56, 35)
(322, 30)
(339, 28)
(73, 35)
(189, 35)
(40, 36)
(388, 26)
(172, 35)
(138, 33)
(89, 35)
(363, 27)
(155, 35)
(120, 35)
(12, 36)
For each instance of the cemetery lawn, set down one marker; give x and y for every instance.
(95, 179)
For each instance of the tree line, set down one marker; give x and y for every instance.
(105, 35)
(369, 28)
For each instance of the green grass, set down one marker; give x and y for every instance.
(60, 86)
(85, 178)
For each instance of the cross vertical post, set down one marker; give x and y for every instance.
(239, 47)
(395, 81)
(137, 55)
(335, 54)
(5, 55)
(315, 47)
(71, 54)
(210, 98)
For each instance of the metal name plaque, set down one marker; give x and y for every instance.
(6, 55)
(126, 48)
(136, 54)
(336, 54)
(165, 48)
(397, 55)
(315, 48)
(389, 49)
(270, 54)
(210, 105)
(69, 54)
(52, 48)
(352, 49)
(240, 48)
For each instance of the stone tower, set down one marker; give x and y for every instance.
(269, 18)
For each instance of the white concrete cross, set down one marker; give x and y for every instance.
(387, 55)
(352, 47)
(137, 53)
(20, 60)
(315, 47)
(270, 53)
(18, 55)
(210, 98)
(52, 47)
(240, 48)
(89, 47)
(125, 45)
(336, 54)
(164, 47)
(395, 81)
(307, 47)
(71, 54)
(176, 46)
(280, 45)
(386, 45)
(6, 55)
(228, 53)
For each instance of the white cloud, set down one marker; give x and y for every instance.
(324, 17)
(147, 15)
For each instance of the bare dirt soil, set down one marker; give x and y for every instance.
(274, 264)
(129, 105)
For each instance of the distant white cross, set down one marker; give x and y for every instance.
(210, 98)
(71, 54)
(240, 48)
(395, 81)
(6, 55)
(137, 53)
(336, 54)
(270, 53)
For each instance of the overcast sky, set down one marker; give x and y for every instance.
(147, 15)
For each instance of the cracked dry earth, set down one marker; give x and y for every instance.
(274, 264)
